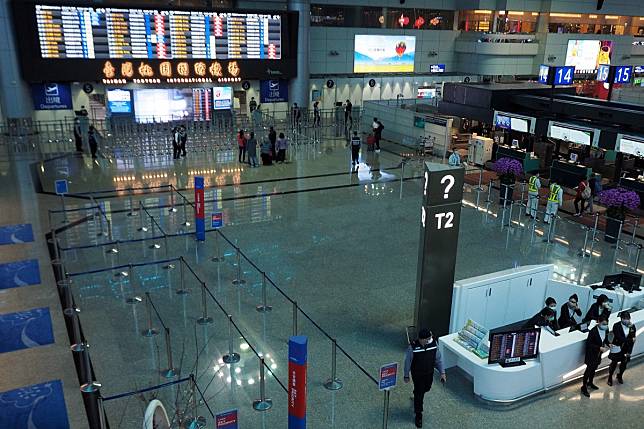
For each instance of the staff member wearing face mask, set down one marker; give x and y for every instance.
(624, 333)
(543, 318)
(596, 344)
(569, 310)
(600, 308)
(421, 358)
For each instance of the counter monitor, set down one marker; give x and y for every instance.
(509, 348)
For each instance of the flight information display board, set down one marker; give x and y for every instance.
(66, 42)
(114, 33)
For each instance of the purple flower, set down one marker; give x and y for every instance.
(619, 197)
(508, 166)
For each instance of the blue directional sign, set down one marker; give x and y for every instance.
(61, 187)
(437, 68)
(623, 74)
(564, 75)
(602, 72)
(543, 74)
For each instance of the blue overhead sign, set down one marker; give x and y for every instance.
(437, 68)
(602, 72)
(564, 75)
(623, 74)
(273, 91)
(51, 96)
(61, 187)
(543, 74)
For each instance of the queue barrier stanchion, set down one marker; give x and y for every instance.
(635, 226)
(77, 343)
(637, 259)
(218, 256)
(584, 253)
(489, 192)
(231, 357)
(68, 300)
(238, 281)
(186, 222)
(182, 279)
(150, 331)
(263, 403)
(479, 188)
(204, 319)
(333, 383)
(171, 371)
(172, 208)
(86, 369)
(619, 235)
(134, 298)
(264, 307)
(154, 245)
(142, 227)
(169, 265)
(385, 410)
(132, 211)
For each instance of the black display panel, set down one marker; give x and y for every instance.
(66, 42)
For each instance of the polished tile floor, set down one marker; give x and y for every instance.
(343, 245)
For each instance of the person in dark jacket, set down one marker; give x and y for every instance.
(272, 137)
(596, 344)
(251, 150)
(568, 312)
(601, 307)
(183, 133)
(421, 358)
(92, 138)
(624, 333)
(543, 318)
(78, 135)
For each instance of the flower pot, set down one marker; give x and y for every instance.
(612, 230)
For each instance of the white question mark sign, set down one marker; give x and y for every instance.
(450, 179)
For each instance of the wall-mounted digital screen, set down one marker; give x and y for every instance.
(587, 55)
(572, 135)
(502, 122)
(383, 54)
(426, 93)
(222, 97)
(180, 104)
(518, 124)
(119, 101)
(630, 145)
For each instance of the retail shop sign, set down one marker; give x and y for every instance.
(388, 376)
(51, 96)
(200, 222)
(274, 91)
(227, 420)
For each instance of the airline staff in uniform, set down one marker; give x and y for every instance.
(568, 312)
(624, 333)
(601, 307)
(596, 344)
(555, 199)
(421, 358)
(546, 317)
(533, 196)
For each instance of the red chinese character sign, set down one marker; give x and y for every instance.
(200, 213)
(297, 362)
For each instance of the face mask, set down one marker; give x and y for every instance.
(606, 304)
(550, 319)
(603, 327)
(626, 322)
(553, 307)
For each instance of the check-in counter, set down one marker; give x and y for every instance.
(529, 161)
(569, 173)
(561, 359)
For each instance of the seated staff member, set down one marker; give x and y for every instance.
(600, 307)
(596, 344)
(543, 318)
(624, 333)
(568, 312)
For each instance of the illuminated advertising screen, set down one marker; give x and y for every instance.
(630, 145)
(222, 97)
(81, 40)
(572, 135)
(383, 54)
(426, 93)
(119, 101)
(587, 55)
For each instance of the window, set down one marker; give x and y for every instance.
(591, 24)
(475, 20)
(517, 22)
(378, 17)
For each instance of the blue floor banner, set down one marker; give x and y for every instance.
(19, 273)
(16, 234)
(38, 406)
(25, 329)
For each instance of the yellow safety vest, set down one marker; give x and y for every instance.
(532, 184)
(554, 193)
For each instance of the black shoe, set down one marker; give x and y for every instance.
(527, 215)
(419, 420)
(592, 386)
(609, 381)
(620, 380)
(585, 392)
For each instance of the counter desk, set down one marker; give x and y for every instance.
(561, 359)
(529, 161)
(569, 174)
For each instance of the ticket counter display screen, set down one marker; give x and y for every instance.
(520, 344)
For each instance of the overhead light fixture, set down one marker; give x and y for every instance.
(566, 15)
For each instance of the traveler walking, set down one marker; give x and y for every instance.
(555, 199)
(356, 142)
(583, 195)
(92, 137)
(176, 143)
(183, 133)
(266, 154)
(296, 116)
(282, 145)
(348, 114)
(532, 208)
(78, 135)
(421, 358)
(252, 105)
(241, 143)
(377, 133)
(316, 114)
(272, 137)
(251, 149)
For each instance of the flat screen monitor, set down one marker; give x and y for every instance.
(503, 122)
(573, 157)
(631, 281)
(119, 101)
(383, 53)
(513, 346)
(572, 135)
(515, 143)
(518, 124)
(611, 281)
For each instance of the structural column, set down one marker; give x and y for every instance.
(299, 86)
(15, 100)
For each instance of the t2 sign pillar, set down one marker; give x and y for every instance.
(200, 210)
(439, 225)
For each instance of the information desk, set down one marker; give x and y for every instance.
(569, 173)
(561, 359)
(529, 161)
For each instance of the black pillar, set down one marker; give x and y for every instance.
(440, 217)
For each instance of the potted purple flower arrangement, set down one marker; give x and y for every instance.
(508, 169)
(617, 201)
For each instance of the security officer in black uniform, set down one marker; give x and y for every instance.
(421, 358)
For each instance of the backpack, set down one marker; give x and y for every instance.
(586, 193)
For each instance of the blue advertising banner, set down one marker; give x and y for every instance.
(200, 212)
(297, 362)
(51, 96)
(273, 91)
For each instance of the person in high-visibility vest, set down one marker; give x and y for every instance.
(555, 199)
(533, 196)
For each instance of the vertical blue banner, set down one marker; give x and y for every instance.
(297, 362)
(200, 212)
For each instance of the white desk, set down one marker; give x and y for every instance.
(560, 359)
